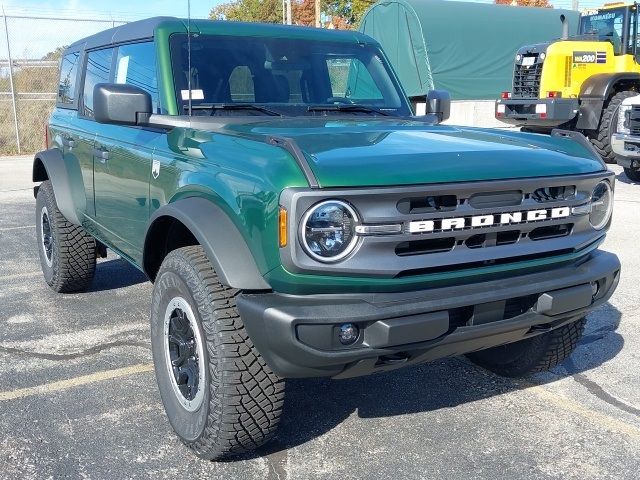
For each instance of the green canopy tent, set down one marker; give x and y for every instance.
(465, 48)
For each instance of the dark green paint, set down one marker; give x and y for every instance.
(238, 170)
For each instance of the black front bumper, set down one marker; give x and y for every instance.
(522, 111)
(297, 335)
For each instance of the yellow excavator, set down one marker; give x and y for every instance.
(578, 83)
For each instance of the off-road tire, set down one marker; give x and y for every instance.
(243, 398)
(601, 139)
(632, 174)
(72, 261)
(535, 354)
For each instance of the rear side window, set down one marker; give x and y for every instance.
(136, 65)
(98, 71)
(68, 75)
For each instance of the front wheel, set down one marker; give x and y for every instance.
(632, 174)
(220, 396)
(536, 354)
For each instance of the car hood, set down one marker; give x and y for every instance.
(363, 152)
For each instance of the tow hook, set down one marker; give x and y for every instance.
(395, 359)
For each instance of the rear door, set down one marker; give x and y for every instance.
(97, 67)
(68, 132)
(123, 158)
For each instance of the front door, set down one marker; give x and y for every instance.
(122, 170)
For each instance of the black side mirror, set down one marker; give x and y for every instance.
(121, 104)
(436, 102)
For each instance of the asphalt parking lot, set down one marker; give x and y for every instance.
(78, 397)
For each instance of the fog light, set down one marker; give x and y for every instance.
(595, 288)
(348, 333)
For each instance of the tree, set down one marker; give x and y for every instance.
(358, 9)
(304, 12)
(268, 11)
(525, 3)
(55, 54)
(344, 14)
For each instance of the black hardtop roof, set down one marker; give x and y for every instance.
(144, 29)
(127, 32)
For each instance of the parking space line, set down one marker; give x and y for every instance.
(75, 382)
(10, 229)
(606, 421)
(17, 276)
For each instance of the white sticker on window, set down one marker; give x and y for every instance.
(123, 68)
(195, 94)
(421, 109)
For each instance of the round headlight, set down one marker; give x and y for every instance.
(601, 205)
(518, 57)
(328, 231)
(542, 55)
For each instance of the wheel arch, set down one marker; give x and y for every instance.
(198, 221)
(50, 165)
(597, 90)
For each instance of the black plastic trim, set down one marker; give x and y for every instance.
(224, 245)
(581, 139)
(292, 147)
(272, 319)
(68, 199)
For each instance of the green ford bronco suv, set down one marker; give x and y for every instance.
(297, 220)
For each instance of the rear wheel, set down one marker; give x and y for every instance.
(632, 174)
(220, 396)
(67, 253)
(601, 138)
(535, 354)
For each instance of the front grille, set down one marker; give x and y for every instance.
(485, 263)
(526, 81)
(553, 194)
(634, 120)
(452, 227)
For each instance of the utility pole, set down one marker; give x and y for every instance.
(575, 5)
(317, 13)
(288, 12)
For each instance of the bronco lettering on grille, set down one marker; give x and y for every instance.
(490, 220)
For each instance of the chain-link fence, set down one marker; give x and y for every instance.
(30, 49)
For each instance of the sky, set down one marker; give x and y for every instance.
(32, 39)
(119, 9)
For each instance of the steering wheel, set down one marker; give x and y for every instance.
(343, 100)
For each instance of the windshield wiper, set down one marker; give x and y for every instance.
(345, 107)
(215, 107)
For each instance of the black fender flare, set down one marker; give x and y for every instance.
(594, 93)
(221, 240)
(50, 164)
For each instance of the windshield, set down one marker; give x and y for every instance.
(282, 75)
(606, 25)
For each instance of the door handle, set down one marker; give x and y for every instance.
(68, 142)
(102, 154)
